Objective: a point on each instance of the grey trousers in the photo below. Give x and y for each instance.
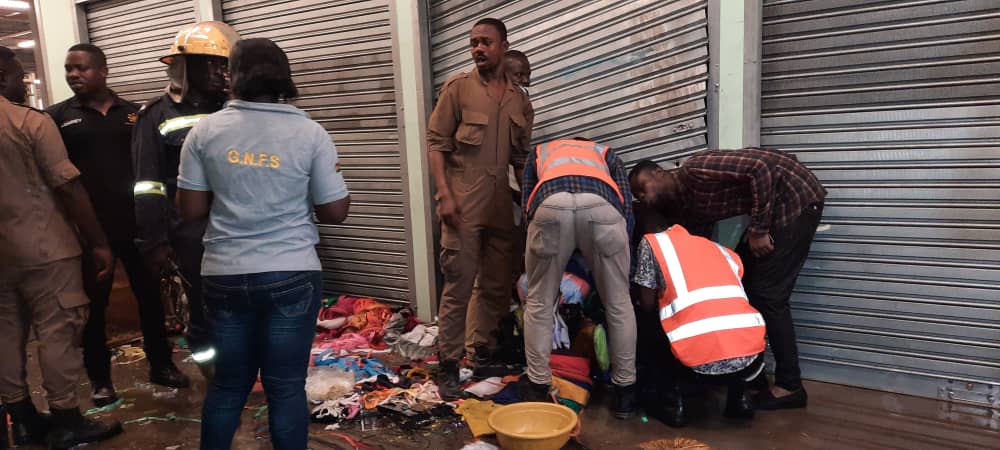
(562, 223)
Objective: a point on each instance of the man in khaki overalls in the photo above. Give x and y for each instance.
(41, 283)
(481, 123)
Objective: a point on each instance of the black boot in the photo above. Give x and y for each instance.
(528, 391)
(167, 374)
(738, 405)
(4, 436)
(625, 401)
(70, 428)
(671, 410)
(104, 394)
(27, 426)
(448, 385)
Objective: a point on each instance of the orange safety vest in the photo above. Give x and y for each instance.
(704, 309)
(567, 157)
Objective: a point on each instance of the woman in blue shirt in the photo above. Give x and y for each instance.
(259, 169)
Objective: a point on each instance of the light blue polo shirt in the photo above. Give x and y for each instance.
(266, 165)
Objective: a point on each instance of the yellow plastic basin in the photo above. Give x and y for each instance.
(532, 426)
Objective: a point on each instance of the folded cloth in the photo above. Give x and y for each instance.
(569, 391)
(418, 343)
(573, 368)
(475, 412)
(486, 387)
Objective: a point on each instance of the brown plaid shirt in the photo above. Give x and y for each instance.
(772, 186)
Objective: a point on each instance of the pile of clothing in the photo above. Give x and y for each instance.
(345, 389)
(356, 324)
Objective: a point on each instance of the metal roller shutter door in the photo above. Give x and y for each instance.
(895, 106)
(134, 34)
(628, 74)
(341, 56)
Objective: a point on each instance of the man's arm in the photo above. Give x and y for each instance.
(529, 179)
(735, 167)
(620, 175)
(521, 156)
(64, 179)
(441, 129)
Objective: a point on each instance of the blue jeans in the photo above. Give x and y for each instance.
(262, 322)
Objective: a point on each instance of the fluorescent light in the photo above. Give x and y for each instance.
(26, 44)
(14, 4)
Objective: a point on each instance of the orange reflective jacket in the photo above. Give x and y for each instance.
(704, 309)
(567, 157)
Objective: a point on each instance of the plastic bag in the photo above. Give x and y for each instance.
(328, 383)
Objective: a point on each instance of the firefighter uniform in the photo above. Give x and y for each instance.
(157, 139)
(479, 135)
(163, 125)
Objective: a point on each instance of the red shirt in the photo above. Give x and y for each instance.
(772, 186)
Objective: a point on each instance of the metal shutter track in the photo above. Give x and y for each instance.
(341, 56)
(134, 34)
(896, 107)
(628, 74)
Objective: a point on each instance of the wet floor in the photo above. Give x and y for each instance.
(838, 417)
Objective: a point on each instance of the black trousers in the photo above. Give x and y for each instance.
(185, 239)
(96, 356)
(769, 282)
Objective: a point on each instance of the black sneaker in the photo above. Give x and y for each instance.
(448, 385)
(168, 375)
(625, 401)
(27, 425)
(70, 428)
(104, 395)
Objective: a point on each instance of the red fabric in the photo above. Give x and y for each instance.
(574, 368)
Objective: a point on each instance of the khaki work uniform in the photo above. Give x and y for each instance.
(41, 282)
(480, 135)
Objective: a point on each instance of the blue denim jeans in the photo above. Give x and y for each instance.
(262, 322)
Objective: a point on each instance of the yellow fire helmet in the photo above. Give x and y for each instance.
(211, 38)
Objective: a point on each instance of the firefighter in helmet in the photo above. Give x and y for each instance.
(196, 66)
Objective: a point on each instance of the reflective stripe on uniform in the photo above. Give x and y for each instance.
(696, 296)
(676, 274)
(149, 187)
(180, 122)
(713, 324)
(732, 262)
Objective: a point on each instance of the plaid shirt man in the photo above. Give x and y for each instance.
(772, 186)
(580, 184)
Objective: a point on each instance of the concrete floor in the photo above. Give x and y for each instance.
(838, 417)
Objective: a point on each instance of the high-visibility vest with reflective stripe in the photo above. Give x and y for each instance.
(704, 309)
(565, 157)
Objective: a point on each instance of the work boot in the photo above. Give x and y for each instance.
(27, 425)
(167, 374)
(448, 385)
(104, 395)
(625, 401)
(671, 410)
(4, 435)
(738, 405)
(70, 428)
(529, 391)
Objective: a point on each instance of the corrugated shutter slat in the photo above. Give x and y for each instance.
(896, 107)
(341, 56)
(628, 74)
(134, 35)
